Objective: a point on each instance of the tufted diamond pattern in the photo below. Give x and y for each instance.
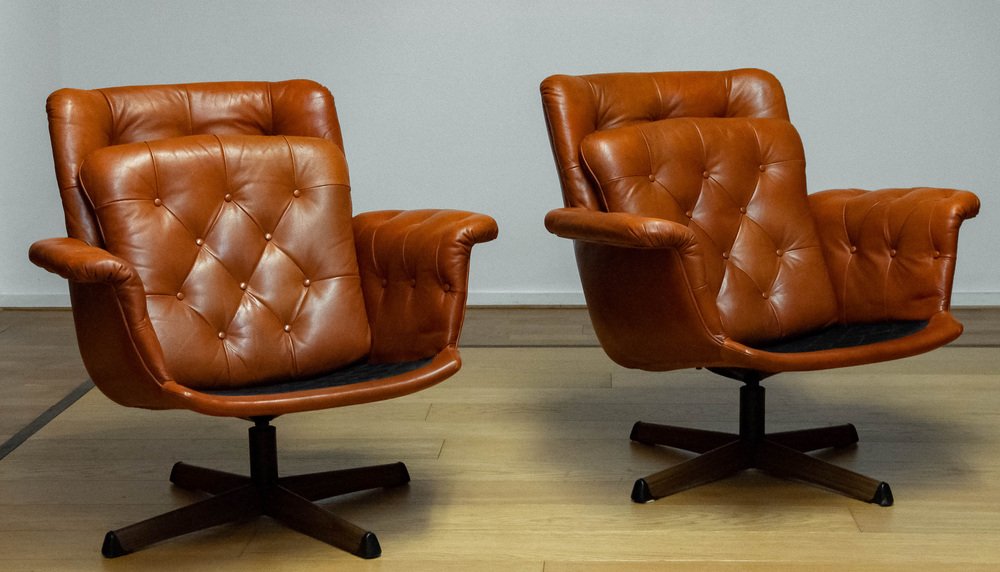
(739, 185)
(245, 247)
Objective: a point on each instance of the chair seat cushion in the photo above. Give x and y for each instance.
(847, 336)
(355, 373)
(245, 248)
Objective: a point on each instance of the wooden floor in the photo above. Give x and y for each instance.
(522, 462)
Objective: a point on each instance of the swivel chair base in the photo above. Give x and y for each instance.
(782, 454)
(286, 499)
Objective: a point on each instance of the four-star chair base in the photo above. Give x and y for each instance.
(286, 499)
(781, 454)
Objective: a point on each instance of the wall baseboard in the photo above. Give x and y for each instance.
(487, 298)
(479, 298)
(34, 300)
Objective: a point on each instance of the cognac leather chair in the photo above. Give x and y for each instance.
(214, 265)
(697, 246)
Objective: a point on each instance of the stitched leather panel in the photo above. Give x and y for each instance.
(739, 186)
(245, 247)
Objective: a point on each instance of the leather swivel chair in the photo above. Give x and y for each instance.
(697, 246)
(214, 265)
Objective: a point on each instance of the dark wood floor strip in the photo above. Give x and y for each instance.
(42, 420)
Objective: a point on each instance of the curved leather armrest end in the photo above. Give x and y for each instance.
(645, 283)
(618, 229)
(414, 269)
(116, 338)
(443, 365)
(78, 261)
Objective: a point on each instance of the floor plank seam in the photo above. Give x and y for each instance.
(42, 420)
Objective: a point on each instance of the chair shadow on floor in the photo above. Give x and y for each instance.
(907, 438)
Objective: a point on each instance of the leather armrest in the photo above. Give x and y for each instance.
(618, 229)
(414, 274)
(82, 263)
(891, 252)
(646, 288)
(116, 338)
(78, 261)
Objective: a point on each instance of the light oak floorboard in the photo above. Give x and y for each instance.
(522, 462)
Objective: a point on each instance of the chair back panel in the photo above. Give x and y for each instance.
(82, 121)
(246, 250)
(739, 185)
(576, 106)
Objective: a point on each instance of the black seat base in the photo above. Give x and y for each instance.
(781, 454)
(289, 500)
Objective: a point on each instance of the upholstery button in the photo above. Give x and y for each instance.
(652, 178)
(937, 254)
(288, 327)
(306, 282)
(892, 253)
(725, 255)
(743, 210)
(779, 252)
(763, 295)
(296, 193)
(199, 241)
(688, 214)
(704, 174)
(222, 335)
(229, 198)
(180, 295)
(267, 236)
(243, 285)
(413, 283)
(157, 202)
(854, 249)
(385, 282)
(447, 287)
(762, 168)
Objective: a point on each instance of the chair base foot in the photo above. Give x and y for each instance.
(640, 492)
(370, 547)
(883, 495)
(112, 548)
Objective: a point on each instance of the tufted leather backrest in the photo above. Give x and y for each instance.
(576, 106)
(739, 185)
(82, 121)
(246, 250)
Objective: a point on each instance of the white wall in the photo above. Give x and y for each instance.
(440, 108)
(29, 199)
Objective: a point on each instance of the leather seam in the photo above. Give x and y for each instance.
(190, 109)
(694, 300)
(122, 316)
